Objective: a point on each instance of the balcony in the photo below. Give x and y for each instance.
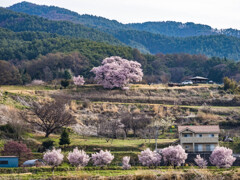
(199, 139)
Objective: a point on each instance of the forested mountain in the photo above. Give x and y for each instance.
(37, 55)
(56, 13)
(33, 47)
(151, 37)
(178, 29)
(214, 45)
(168, 28)
(22, 22)
(29, 45)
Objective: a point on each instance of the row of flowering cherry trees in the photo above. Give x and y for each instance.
(115, 72)
(172, 155)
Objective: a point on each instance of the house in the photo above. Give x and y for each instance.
(198, 79)
(8, 161)
(198, 138)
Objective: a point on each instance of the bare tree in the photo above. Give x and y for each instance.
(126, 121)
(146, 133)
(159, 123)
(49, 116)
(109, 124)
(139, 121)
(84, 130)
(17, 125)
(135, 121)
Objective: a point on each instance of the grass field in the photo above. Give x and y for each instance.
(188, 173)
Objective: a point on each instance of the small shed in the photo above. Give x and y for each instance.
(8, 161)
(199, 79)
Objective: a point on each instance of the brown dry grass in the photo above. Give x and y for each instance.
(208, 116)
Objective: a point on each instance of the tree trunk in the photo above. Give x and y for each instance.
(47, 134)
(134, 132)
(126, 132)
(156, 138)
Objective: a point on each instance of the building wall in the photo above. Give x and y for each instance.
(193, 139)
(8, 162)
(188, 147)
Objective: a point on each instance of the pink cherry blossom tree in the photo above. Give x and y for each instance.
(53, 157)
(149, 158)
(125, 162)
(102, 158)
(222, 157)
(78, 80)
(202, 163)
(78, 158)
(174, 155)
(117, 72)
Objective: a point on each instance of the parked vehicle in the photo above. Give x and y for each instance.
(187, 83)
(33, 162)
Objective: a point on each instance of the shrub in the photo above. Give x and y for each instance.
(53, 157)
(117, 72)
(174, 155)
(230, 85)
(202, 163)
(222, 157)
(13, 148)
(78, 158)
(149, 158)
(48, 144)
(125, 162)
(102, 158)
(65, 83)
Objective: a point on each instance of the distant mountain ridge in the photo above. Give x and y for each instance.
(168, 28)
(19, 22)
(149, 37)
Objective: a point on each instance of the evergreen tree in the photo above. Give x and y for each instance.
(67, 75)
(64, 138)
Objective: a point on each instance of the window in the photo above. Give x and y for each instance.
(211, 135)
(198, 147)
(186, 147)
(187, 135)
(3, 162)
(199, 135)
(212, 147)
(208, 147)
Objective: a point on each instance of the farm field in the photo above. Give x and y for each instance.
(188, 173)
(85, 104)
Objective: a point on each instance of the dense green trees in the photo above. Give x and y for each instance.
(29, 45)
(150, 37)
(159, 68)
(37, 55)
(9, 74)
(181, 66)
(19, 22)
(214, 45)
(231, 85)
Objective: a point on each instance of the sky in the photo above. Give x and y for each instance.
(219, 14)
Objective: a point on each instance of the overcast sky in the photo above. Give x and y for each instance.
(216, 13)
